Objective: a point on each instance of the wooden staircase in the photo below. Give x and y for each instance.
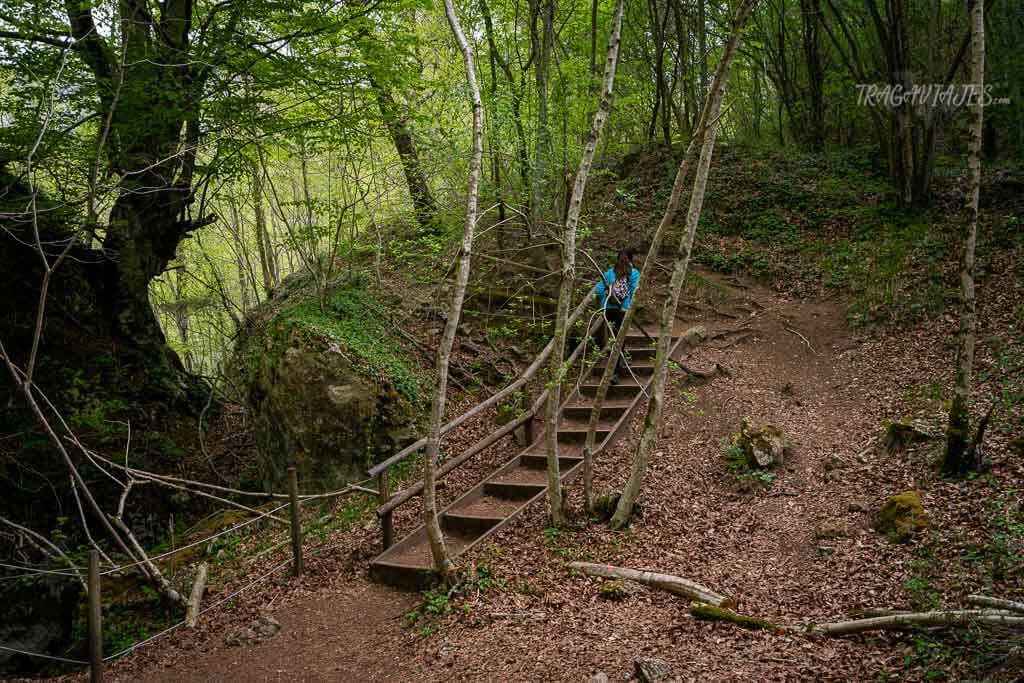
(510, 489)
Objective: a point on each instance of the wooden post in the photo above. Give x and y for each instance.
(95, 619)
(528, 431)
(173, 558)
(386, 523)
(293, 493)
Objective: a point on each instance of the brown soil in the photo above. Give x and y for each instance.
(799, 368)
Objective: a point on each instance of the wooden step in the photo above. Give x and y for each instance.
(539, 461)
(512, 490)
(609, 410)
(577, 433)
(470, 524)
(485, 505)
(627, 388)
(409, 564)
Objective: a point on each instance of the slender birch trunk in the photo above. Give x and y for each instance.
(678, 186)
(959, 459)
(568, 269)
(442, 563)
(648, 438)
(264, 247)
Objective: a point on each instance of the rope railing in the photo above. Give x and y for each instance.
(156, 636)
(387, 506)
(526, 375)
(96, 659)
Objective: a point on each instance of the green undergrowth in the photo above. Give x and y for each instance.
(815, 224)
(354, 319)
(747, 478)
(460, 597)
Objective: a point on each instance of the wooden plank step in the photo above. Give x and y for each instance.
(470, 524)
(582, 412)
(539, 461)
(627, 388)
(512, 490)
(409, 564)
(486, 506)
(565, 450)
(520, 475)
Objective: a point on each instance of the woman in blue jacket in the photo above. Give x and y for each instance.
(615, 295)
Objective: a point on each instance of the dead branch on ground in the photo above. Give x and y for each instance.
(665, 582)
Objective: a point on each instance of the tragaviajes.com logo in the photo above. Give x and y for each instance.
(892, 96)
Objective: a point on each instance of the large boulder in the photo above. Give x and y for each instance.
(329, 383)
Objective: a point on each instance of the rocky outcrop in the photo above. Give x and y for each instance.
(329, 384)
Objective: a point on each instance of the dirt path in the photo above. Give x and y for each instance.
(801, 550)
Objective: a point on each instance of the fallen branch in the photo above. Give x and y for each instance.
(709, 613)
(665, 582)
(196, 596)
(996, 603)
(964, 617)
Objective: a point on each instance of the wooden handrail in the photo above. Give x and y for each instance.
(417, 488)
(519, 383)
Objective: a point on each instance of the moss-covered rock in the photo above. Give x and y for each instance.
(614, 590)
(902, 517)
(763, 447)
(330, 384)
(903, 434)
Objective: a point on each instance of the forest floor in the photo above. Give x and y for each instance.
(795, 548)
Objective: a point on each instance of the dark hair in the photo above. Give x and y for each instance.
(624, 263)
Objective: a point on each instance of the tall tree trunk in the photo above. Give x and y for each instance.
(568, 270)
(415, 177)
(264, 247)
(958, 459)
(152, 149)
(648, 438)
(516, 89)
(442, 563)
(702, 47)
(811, 15)
(544, 11)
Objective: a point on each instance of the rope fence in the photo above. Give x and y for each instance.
(96, 659)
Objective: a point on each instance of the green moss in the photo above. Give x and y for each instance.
(902, 517)
(358, 323)
(614, 590)
(709, 613)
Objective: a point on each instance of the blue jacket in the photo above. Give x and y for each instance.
(603, 292)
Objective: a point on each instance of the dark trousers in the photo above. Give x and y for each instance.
(612, 317)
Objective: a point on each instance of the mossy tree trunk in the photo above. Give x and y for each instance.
(959, 458)
(649, 436)
(442, 563)
(568, 269)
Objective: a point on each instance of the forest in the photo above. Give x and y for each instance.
(512, 340)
